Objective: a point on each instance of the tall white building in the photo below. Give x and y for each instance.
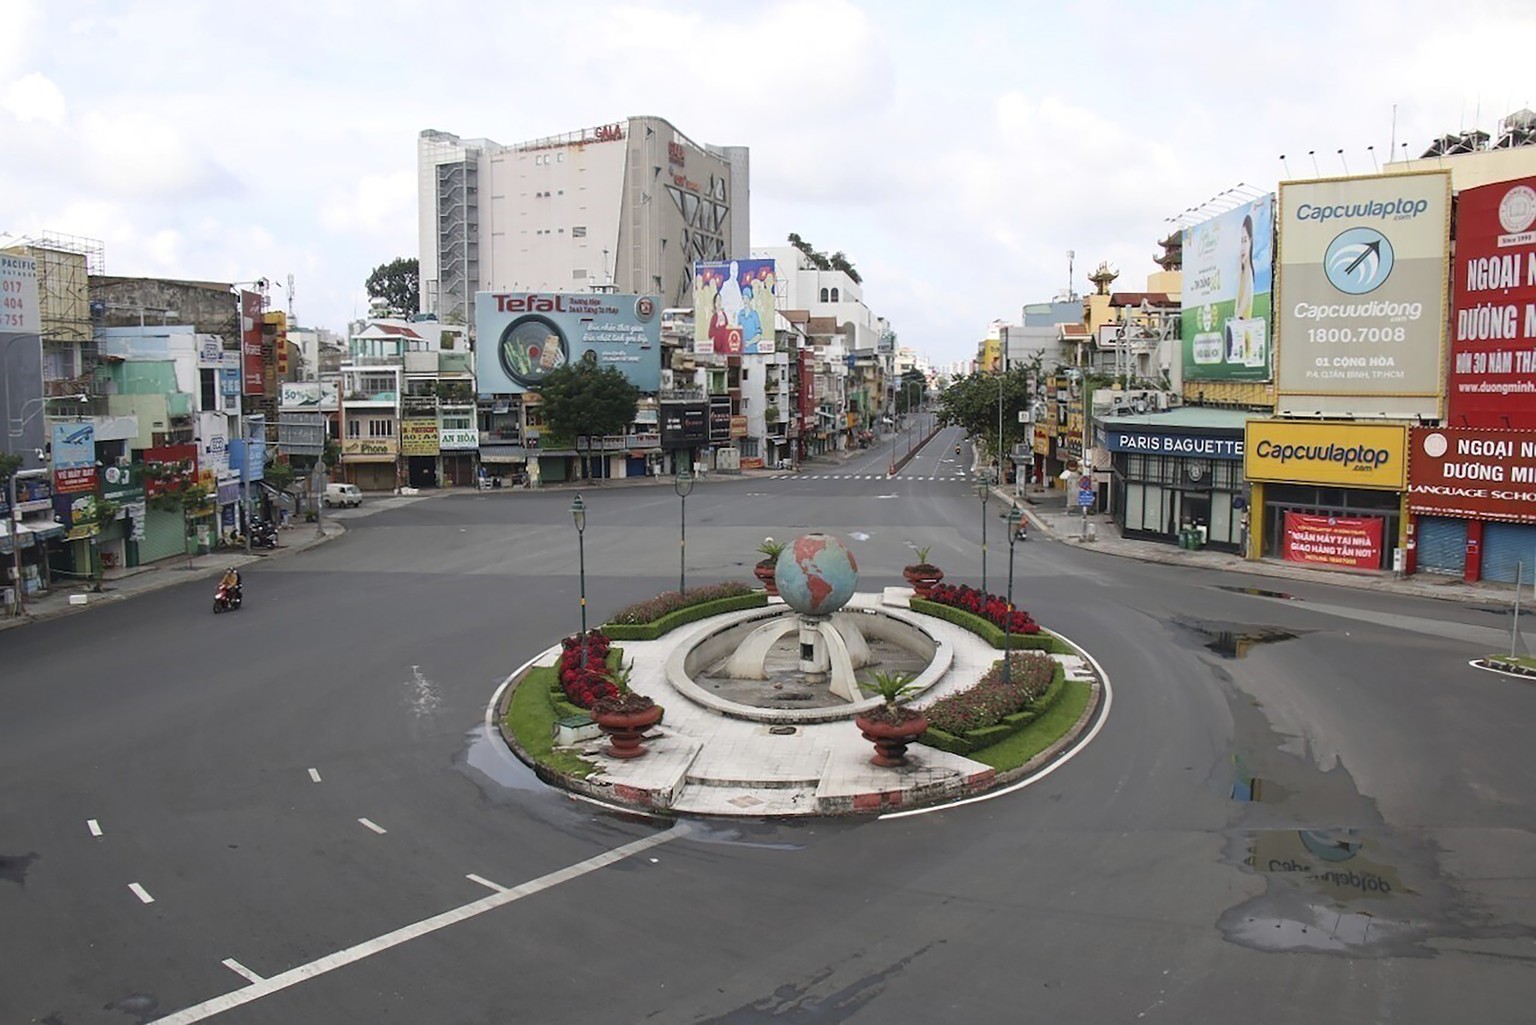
(824, 293)
(629, 205)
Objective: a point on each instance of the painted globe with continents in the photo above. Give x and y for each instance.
(816, 574)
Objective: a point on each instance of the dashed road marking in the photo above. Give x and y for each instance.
(485, 882)
(373, 826)
(141, 893)
(314, 775)
(93, 826)
(342, 958)
(241, 970)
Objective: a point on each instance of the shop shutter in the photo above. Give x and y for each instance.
(164, 535)
(1505, 547)
(1442, 545)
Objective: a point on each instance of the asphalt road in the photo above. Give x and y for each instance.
(305, 793)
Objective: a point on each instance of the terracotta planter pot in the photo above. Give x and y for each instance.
(764, 573)
(624, 730)
(891, 740)
(923, 578)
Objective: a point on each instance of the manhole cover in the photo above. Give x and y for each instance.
(783, 731)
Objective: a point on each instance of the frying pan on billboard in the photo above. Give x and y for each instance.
(525, 335)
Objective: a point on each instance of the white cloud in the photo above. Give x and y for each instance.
(33, 98)
(382, 206)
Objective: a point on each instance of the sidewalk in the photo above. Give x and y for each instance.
(1050, 516)
(70, 596)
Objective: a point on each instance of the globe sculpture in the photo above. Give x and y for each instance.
(816, 575)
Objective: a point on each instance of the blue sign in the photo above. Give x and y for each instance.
(74, 445)
(1200, 445)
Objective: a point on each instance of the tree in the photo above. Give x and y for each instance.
(98, 514)
(398, 283)
(971, 402)
(579, 398)
(909, 393)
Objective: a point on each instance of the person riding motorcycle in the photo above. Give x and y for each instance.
(230, 584)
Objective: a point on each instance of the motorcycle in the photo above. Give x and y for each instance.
(226, 599)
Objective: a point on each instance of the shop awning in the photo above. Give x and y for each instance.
(503, 454)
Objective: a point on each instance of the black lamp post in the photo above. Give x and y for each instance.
(1013, 533)
(983, 492)
(682, 485)
(579, 514)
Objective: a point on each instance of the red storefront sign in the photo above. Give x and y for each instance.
(250, 344)
(1493, 327)
(158, 463)
(72, 480)
(1472, 474)
(1353, 541)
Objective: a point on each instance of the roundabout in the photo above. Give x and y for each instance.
(760, 705)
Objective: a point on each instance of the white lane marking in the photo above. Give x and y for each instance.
(241, 970)
(141, 893)
(314, 775)
(1082, 742)
(373, 826)
(93, 826)
(464, 912)
(485, 882)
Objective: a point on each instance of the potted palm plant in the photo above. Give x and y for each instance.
(770, 550)
(893, 725)
(625, 716)
(922, 574)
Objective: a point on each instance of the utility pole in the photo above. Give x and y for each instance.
(11, 529)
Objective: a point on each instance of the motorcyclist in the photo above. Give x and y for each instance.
(229, 583)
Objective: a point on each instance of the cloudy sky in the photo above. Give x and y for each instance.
(955, 151)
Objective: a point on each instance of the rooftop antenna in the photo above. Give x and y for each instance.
(1372, 151)
(1285, 165)
(1071, 283)
(1313, 154)
(1343, 161)
(291, 320)
(1392, 147)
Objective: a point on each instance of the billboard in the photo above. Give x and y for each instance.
(1472, 473)
(307, 395)
(1228, 278)
(525, 335)
(418, 437)
(1348, 454)
(250, 343)
(734, 304)
(18, 295)
(1362, 280)
(1493, 329)
(74, 458)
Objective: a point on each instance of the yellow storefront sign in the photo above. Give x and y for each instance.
(1350, 455)
(418, 437)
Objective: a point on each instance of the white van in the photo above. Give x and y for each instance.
(343, 494)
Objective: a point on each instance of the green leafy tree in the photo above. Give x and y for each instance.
(398, 283)
(98, 515)
(971, 402)
(581, 398)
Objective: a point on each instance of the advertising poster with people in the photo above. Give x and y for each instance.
(525, 335)
(1228, 277)
(733, 307)
(1493, 331)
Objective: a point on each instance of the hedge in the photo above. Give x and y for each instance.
(990, 632)
(974, 740)
(673, 620)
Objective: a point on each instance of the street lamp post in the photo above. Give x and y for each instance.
(983, 492)
(579, 514)
(682, 485)
(15, 536)
(1013, 534)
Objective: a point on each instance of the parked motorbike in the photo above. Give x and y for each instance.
(226, 599)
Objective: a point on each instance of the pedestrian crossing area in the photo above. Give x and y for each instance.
(871, 476)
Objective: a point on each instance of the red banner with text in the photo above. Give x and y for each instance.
(1349, 541)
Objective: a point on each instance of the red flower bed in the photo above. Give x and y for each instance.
(985, 704)
(585, 686)
(990, 607)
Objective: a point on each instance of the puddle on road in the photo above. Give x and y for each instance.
(14, 869)
(489, 754)
(1234, 640)
(1257, 592)
(1328, 890)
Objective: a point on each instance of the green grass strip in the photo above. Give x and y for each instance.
(531, 719)
(1523, 661)
(1040, 734)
